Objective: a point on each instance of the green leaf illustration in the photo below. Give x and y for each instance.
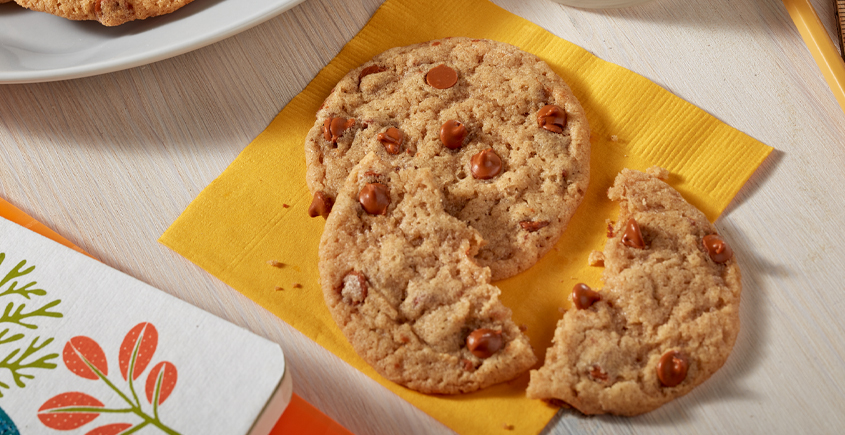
(14, 337)
(24, 291)
(16, 365)
(17, 359)
(18, 272)
(19, 315)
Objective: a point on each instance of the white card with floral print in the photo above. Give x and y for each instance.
(86, 349)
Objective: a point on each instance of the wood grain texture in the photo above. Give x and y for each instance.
(110, 161)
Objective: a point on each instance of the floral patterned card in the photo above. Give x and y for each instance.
(85, 349)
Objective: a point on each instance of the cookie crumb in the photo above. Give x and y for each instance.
(658, 172)
(523, 327)
(275, 263)
(296, 285)
(278, 289)
(614, 138)
(507, 426)
(285, 206)
(596, 259)
(561, 310)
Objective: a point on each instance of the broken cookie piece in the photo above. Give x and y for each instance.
(668, 314)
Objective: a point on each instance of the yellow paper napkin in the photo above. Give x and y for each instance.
(255, 211)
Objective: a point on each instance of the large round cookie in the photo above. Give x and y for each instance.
(521, 199)
(107, 12)
(667, 317)
(399, 278)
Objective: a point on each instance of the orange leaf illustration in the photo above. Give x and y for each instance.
(168, 381)
(71, 419)
(109, 429)
(146, 334)
(83, 347)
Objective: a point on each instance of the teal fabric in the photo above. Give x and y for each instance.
(6, 425)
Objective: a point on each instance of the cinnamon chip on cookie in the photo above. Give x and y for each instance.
(400, 279)
(664, 322)
(501, 133)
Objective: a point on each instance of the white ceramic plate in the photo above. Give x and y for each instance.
(38, 47)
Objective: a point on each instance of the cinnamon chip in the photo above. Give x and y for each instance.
(632, 236)
(532, 226)
(372, 69)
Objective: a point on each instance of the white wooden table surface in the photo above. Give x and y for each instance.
(110, 161)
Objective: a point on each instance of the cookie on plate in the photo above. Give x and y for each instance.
(399, 278)
(107, 12)
(664, 322)
(502, 133)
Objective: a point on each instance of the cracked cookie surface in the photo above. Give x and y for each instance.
(481, 115)
(399, 279)
(107, 12)
(666, 319)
